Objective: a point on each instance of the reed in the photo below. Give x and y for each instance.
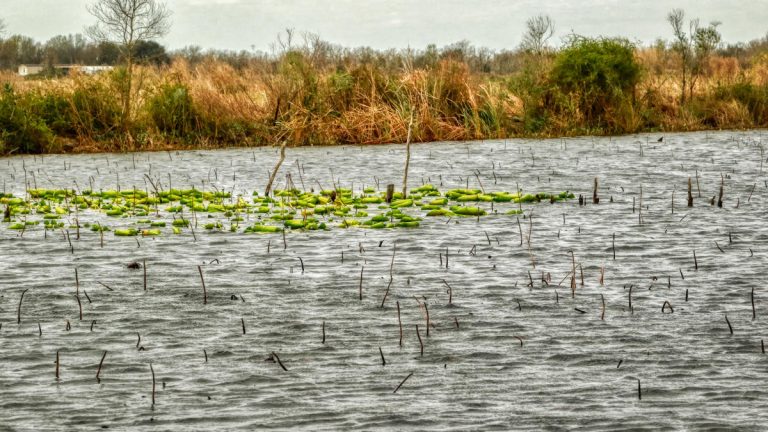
(294, 98)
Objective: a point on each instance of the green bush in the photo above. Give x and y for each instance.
(753, 97)
(21, 131)
(172, 111)
(601, 72)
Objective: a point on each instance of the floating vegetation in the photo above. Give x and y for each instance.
(129, 211)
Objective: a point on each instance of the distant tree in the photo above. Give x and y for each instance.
(151, 52)
(2, 27)
(538, 31)
(65, 49)
(17, 50)
(107, 53)
(694, 48)
(127, 23)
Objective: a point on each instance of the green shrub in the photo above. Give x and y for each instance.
(601, 72)
(95, 111)
(21, 131)
(753, 97)
(172, 111)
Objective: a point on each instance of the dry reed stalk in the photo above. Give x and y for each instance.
(144, 267)
(18, 309)
(573, 275)
(391, 273)
(151, 369)
(360, 287)
(274, 171)
(402, 382)
(602, 312)
(407, 157)
(98, 372)
(400, 324)
(205, 292)
(450, 293)
(421, 343)
(274, 354)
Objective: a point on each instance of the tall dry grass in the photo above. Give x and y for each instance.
(305, 101)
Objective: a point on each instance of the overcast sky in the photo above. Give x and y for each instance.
(497, 24)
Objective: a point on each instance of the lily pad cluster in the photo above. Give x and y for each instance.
(136, 212)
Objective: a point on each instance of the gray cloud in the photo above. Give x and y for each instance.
(240, 24)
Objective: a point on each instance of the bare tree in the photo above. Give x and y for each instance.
(694, 48)
(538, 30)
(2, 27)
(681, 45)
(127, 23)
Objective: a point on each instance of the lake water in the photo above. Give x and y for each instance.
(511, 351)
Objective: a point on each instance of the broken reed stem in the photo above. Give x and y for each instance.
(639, 390)
(18, 310)
(151, 369)
(77, 294)
(595, 199)
(720, 196)
(400, 323)
(79, 306)
(690, 194)
(573, 275)
(426, 310)
(450, 293)
(302, 264)
(672, 206)
(57, 365)
(383, 361)
(613, 246)
(277, 167)
(752, 298)
(730, 328)
(602, 313)
(664, 306)
(360, 288)
(407, 156)
(695, 261)
(698, 187)
(278, 361)
(602, 275)
(402, 382)
(205, 292)
(205, 353)
(323, 342)
(391, 274)
(98, 372)
(144, 266)
(632, 311)
(421, 343)
(242, 321)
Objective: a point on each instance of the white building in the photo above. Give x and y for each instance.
(26, 70)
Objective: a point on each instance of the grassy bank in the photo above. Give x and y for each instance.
(306, 98)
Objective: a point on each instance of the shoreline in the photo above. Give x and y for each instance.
(228, 146)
